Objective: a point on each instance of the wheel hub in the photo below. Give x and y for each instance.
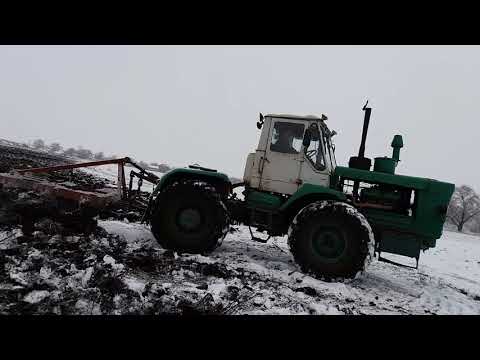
(189, 219)
(328, 244)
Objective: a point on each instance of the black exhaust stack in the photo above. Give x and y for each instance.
(366, 121)
(360, 161)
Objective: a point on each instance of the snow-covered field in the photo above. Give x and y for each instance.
(5, 142)
(447, 281)
(123, 270)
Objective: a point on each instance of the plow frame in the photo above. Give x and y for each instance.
(124, 193)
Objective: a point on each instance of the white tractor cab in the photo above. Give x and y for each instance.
(292, 150)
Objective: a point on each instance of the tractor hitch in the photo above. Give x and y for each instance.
(398, 264)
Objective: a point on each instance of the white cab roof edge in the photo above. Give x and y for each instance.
(288, 116)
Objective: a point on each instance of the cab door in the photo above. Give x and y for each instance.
(280, 167)
(315, 165)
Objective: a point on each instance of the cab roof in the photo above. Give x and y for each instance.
(323, 125)
(299, 117)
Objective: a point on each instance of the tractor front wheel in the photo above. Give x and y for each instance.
(331, 240)
(189, 217)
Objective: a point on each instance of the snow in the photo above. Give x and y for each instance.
(86, 276)
(108, 260)
(18, 277)
(130, 231)
(36, 296)
(4, 142)
(241, 276)
(447, 281)
(135, 284)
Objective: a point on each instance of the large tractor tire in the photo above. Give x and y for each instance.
(331, 240)
(190, 218)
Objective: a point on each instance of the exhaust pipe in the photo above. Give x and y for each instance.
(366, 121)
(360, 161)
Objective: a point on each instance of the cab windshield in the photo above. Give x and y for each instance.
(315, 152)
(331, 152)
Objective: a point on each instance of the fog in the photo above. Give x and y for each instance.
(199, 104)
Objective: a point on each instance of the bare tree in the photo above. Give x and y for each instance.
(84, 153)
(99, 156)
(70, 152)
(143, 164)
(464, 206)
(475, 225)
(163, 168)
(54, 148)
(39, 144)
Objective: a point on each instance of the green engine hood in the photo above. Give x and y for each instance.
(384, 178)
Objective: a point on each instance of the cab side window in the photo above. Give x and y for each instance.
(287, 137)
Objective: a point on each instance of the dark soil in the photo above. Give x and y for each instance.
(19, 158)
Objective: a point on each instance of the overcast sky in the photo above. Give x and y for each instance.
(199, 104)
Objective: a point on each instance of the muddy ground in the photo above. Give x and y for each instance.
(53, 265)
(51, 274)
(21, 158)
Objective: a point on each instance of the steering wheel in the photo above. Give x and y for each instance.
(311, 153)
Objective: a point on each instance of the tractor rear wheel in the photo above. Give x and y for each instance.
(189, 217)
(331, 240)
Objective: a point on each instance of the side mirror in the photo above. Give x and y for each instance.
(260, 123)
(307, 138)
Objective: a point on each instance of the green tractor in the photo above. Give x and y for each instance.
(337, 218)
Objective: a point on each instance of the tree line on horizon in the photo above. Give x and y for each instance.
(56, 148)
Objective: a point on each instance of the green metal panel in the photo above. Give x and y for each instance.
(432, 207)
(401, 244)
(383, 178)
(263, 200)
(184, 172)
(309, 189)
(386, 219)
(398, 234)
(406, 234)
(384, 165)
(378, 194)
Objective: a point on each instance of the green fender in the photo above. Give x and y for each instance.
(311, 192)
(185, 173)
